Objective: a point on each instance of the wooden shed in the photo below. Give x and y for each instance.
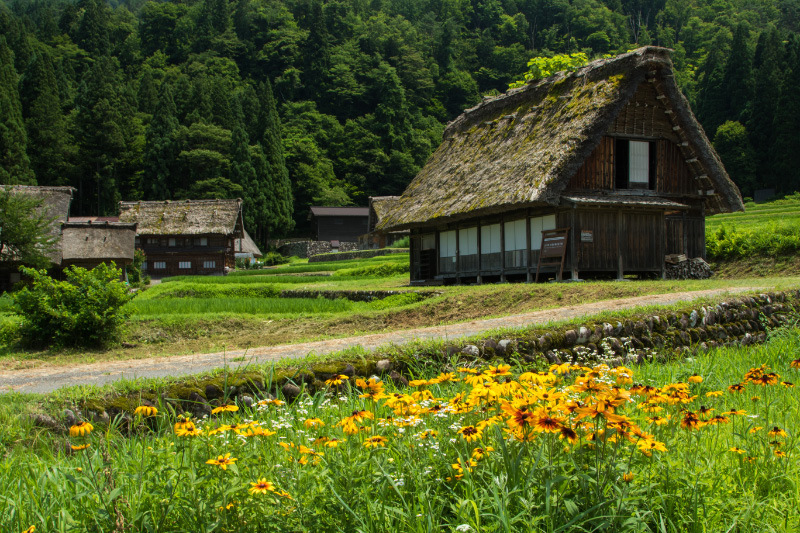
(610, 154)
(186, 237)
(343, 224)
(87, 244)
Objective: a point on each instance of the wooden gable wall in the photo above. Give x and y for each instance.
(644, 117)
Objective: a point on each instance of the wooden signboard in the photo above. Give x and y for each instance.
(554, 248)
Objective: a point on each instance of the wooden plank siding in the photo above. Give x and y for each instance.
(597, 172)
(673, 175)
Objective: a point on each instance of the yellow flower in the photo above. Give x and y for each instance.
(187, 430)
(627, 477)
(737, 450)
(374, 442)
(277, 403)
(787, 384)
(312, 422)
(497, 371)
(80, 447)
(480, 453)
(256, 431)
(795, 363)
(225, 408)
(470, 433)
(694, 378)
(756, 429)
(222, 461)
(336, 380)
(145, 410)
(776, 432)
(714, 393)
(779, 453)
(428, 434)
(80, 429)
(262, 486)
(30, 529)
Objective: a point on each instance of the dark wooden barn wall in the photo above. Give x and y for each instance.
(341, 228)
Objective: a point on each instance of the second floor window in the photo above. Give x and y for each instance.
(635, 164)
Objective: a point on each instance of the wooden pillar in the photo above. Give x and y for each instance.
(703, 231)
(573, 256)
(502, 250)
(685, 234)
(436, 254)
(458, 255)
(528, 246)
(663, 243)
(620, 273)
(480, 255)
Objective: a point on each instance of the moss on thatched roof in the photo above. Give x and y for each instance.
(521, 148)
(93, 241)
(54, 202)
(184, 217)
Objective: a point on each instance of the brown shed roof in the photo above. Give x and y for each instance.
(321, 211)
(184, 217)
(99, 241)
(521, 148)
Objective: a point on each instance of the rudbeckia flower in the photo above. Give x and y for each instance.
(80, 429)
(222, 461)
(145, 410)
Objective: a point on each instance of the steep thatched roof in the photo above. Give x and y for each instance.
(521, 148)
(184, 217)
(98, 242)
(54, 203)
(246, 245)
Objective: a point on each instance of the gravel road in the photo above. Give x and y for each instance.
(49, 378)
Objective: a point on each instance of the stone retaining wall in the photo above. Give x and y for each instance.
(660, 336)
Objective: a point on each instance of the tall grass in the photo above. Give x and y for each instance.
(771, 229)
(486, 448)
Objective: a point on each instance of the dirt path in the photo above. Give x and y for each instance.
(47, 379)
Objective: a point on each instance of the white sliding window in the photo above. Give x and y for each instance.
(490, 239)
(538, 225)
(639, 163)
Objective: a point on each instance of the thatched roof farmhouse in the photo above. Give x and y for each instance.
(185, 237)
(610, 153)
(87, 244)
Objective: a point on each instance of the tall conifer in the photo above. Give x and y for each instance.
(278, 190)
(14, 163)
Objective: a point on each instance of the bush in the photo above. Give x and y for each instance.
(405, 242)
(274, 258)
(135, 268)
(87, 309)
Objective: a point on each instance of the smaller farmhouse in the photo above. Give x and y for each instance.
(54, 203)
(600, 172)
(341, 224)
(378, 207)
(87, 244)
(186, 237)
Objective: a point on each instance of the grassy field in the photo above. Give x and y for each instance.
(761, 231)
(202, 314)
(703, 444)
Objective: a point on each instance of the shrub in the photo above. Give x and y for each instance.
(274, 258)
(86, 309)
(405, 242)
(135, 268)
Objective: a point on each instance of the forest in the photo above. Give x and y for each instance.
(293, 103)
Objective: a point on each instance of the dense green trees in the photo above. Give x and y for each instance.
(289, 103)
